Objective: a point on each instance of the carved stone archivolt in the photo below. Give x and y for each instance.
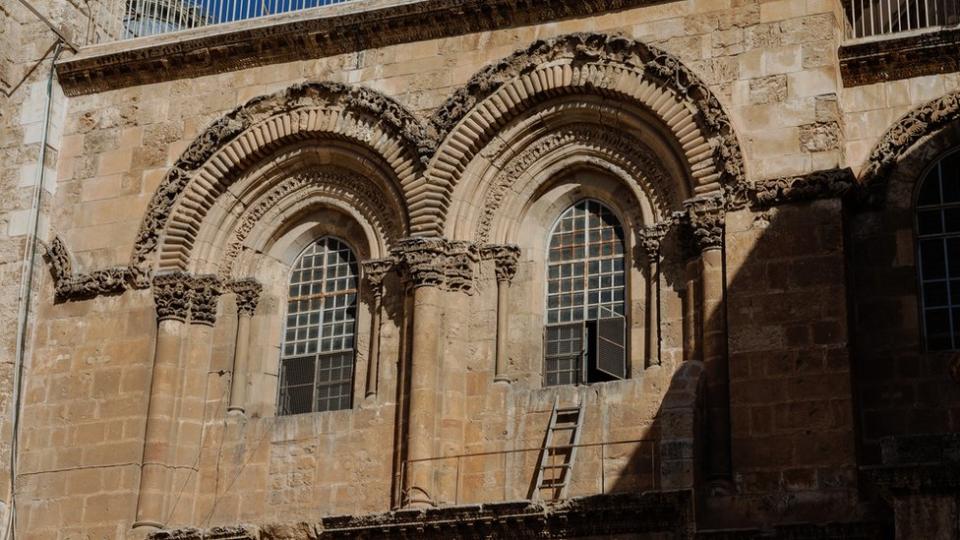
(706, 218)
(181, 296)
(365, 116)
(437, 262)
(505, 258)
(359, 192)
(638, 161)
(585, 63)
(904, 134)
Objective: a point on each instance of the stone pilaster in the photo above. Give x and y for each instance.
(247, 293)
(505, 258)
(375, 271)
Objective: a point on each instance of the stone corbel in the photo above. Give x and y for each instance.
(72, 286)
(247, 293)
(505, 258)
(375, 271)
(651, 239)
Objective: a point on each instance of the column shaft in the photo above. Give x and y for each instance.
(373, 366)
(714, 348)
(421, 429)
(160, 428)
(241, 365)
(501, 353)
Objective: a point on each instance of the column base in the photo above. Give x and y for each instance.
(147, 524)
(501, 378)
(418, 499)
(236, 411)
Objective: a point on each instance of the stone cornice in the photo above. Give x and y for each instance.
(900, 58)
(310, 34)
(597, 516)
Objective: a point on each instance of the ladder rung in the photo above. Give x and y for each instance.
(560, 466)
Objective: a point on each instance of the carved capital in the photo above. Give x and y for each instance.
(172, 294)
(422, 261)
(505, 257)
(205, 296)
(248, 293)
(437, 262)
(651, 239)
(462, 258)
(375, 271)
(706, 221)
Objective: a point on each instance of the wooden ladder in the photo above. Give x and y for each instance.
(557, 455)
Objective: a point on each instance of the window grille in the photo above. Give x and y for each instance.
(938, 260)
(585, 284)
(317, 356)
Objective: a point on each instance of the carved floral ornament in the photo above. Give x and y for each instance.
(417, 140)
(505, 258)
(248, 293)
(913, 126)
(181, 296)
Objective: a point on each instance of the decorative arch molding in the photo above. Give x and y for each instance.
(899, 140)
(595, 64)
(595, 147)
(296, 193)
(206, 169)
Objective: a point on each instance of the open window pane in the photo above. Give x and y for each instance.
(585, 284)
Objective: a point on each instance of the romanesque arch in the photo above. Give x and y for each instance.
(380, 136)
(580, 80)
(928, 129)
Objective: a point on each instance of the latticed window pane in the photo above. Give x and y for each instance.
(585, 282)
(316, 363)
(938, 260)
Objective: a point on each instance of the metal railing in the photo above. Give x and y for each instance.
(114, 20)
(880, 18)
(507, 475)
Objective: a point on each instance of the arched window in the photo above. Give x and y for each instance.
(585, 336)
(317, 356)
(938, 241)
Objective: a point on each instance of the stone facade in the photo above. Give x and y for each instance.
(764, 178)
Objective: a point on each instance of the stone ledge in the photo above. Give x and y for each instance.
(601, 515)
(900, 58)
(309, 34)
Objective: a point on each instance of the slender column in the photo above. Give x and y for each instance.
(707, 221)
(248, 296)
(651, 238)
(172, 295)
(375, 271)
(505, 259)
(422, 260)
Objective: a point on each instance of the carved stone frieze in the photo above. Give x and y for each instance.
(706, 218)
(437, 262)
(302, 36)
(360, 192)
(71, 286)
(665, 69)
(248, 291)
(817, 185)
(910, 128)
(505, 258)
(621, 148)
(897, 58)
(375, 271)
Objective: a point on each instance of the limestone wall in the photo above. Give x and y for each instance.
(773, 67)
